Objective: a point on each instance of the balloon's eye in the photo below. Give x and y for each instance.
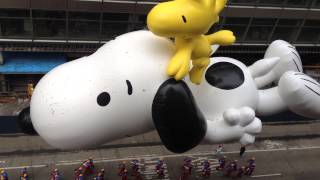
(224, 75)
(129, 87)
(103, 99)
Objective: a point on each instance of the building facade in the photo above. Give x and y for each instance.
(79, 27)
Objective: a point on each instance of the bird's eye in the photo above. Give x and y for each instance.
(184, 19)
(103, 99)
(224, 75)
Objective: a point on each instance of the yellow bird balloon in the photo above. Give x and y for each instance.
(187, 21)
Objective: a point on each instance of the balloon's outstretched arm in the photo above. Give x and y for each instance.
(223, 37)
(301, 93)
(270, 102)
(236, 124)
(295, 91)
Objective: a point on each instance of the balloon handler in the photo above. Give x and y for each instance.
(24, 174)
(187, 21)
(100, 175)
(121, 168)
(78, 173)
(3, 175)
(206, 170)
(250, 167)
(135, 167)
(222, 163)
(160, 168)
(55, 175)
(186, 169)
(88, 166)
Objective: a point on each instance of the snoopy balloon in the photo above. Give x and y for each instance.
(122, 90)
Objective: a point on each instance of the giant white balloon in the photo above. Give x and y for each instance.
(110, 94)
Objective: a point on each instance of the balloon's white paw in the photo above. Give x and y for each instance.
(243, 116)
(254, 127)
(247, 115)
(250, 124)
(232, 116)
(237, 124)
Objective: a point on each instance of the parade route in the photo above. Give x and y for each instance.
(277, 156)
(278, 163)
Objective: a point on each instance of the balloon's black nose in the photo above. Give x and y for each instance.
(179, 122)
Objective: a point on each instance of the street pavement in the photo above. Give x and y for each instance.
(290, 152)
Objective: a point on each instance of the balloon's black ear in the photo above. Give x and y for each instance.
(179, 122)
(25, 123)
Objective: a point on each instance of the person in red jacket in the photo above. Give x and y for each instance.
(121, 168)
(88, 166)
(124, 175)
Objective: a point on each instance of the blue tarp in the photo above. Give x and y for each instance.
(30, 62)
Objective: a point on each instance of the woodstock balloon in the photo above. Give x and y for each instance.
(122, 90)
(187, 21)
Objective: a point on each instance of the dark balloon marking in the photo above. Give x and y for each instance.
(103, 99)
(129, 87)
(299, 74)
(313, 90)
(292, 47)
(317, 84)
(296, 55)
(224, 75)
(295, 63)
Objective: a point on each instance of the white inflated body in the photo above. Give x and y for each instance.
(64, 109)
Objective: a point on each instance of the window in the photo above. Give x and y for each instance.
(84, 30)
(48, 14)
(286, 29)
(243, 2)
(112, 29)
(14, 13)
(49, 24)
(115, 16)
(258, 33)
(114, 24)
(15, 23)
(284, 33)
(298, 3)
(316, 4)
(260, 30)
(271, 2)
(310, 32)
(15, 27)
(237, 25)
(84, 25)
(309, 35)
(46, 28)
(237, 21)
(289, 22)
(263, 22)
(84, 16)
